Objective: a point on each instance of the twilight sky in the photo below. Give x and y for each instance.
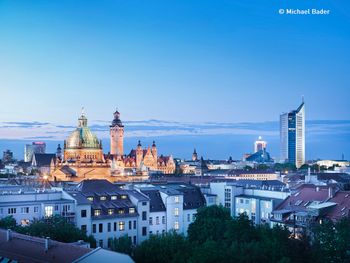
(178, 61)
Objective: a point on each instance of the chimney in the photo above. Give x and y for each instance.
(317, 188)
(308, 176)
(8, 235)
(331, 191)
(47, 243)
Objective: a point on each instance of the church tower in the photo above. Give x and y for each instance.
(194, 155)
(117, 135)
(139, 155)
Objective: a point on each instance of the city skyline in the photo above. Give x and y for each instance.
(176, 71)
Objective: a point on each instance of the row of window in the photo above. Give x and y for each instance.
(116, 226)
(26, 209)
(104, 198)
(110, 211)
(157, 220)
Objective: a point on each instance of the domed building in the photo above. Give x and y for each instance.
(82, 156)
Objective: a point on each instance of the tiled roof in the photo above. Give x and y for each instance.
(24, 248)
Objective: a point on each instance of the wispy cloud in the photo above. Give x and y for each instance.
(155, 128)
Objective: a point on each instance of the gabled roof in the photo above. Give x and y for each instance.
(156, 202)
(43, 159)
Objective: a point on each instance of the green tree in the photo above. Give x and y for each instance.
(170, 247)
(122, 244)
(8, 222)
(57, 228)
(210, 224)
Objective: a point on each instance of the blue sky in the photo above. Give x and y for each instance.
(178, 61)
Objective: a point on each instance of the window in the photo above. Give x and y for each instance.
(134, 240)
(144, 203)
(188, 217)
(144, 231)
(25, 222)
(247, 201)
(94, 228)
(109, 227)
(115, 226)
(12, 211)
(241, 201)
(24, 210)
(110, 211)
(36, 209)
(66, 208)
(131, 210)
(123, 197)
(176, 225)
(113, 197)
(48, 211)
(100, 227)
(134, 224)
(130, 225)
(103, 198)
(163, 219)
(121, 225)
(151, 221)
(150, 232)
(176, 211)
(100, 242)
(84, 228)
(121, 211)
(83, 213)
(90, 198)
(1, 210)
(56, 207)
(177, 199)
(144, 216)
(157, 220)
(97, 212)
(193, 217)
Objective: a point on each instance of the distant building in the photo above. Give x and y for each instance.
(292, 136)
(27, 203)
(256, 199)
(7, 157)
(310, 204)
(31, 149)
(259, 145)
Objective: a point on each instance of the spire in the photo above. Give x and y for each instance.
(139, 144)
(154, 144)
(83, 111)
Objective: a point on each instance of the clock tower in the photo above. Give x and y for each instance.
(117, 135)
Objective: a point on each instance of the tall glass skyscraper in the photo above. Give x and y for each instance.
(292, 136)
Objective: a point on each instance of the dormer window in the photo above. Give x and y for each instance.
(97, 212)
(90, 198)
(121, 211)
(110, 211)
(103, 198)
(113, 197)
(131, 210)
(123, 196)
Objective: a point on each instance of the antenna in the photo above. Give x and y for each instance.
(302, 98)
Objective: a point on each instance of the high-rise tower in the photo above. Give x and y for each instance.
(117, 135)
(292, 136)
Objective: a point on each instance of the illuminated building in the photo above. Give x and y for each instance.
(292, 136)
(259, 145)
(31, 149)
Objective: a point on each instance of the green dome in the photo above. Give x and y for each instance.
(82, 137)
